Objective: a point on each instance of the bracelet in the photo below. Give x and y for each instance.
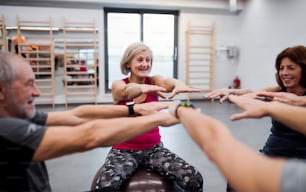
(182, 104)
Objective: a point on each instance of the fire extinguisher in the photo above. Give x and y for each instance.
(237, 82)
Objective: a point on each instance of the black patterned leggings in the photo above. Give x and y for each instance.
(121, 164)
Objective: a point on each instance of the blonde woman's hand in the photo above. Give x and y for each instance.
(153, 89)
(222, 94)
(182, 89)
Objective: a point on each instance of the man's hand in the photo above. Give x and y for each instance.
(149, 108)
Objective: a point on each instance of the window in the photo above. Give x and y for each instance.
(157, 29)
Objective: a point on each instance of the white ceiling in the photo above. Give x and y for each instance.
(186, 5)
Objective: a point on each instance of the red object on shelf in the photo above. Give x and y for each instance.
(83, 67)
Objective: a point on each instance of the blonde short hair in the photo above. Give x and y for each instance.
(132, 50)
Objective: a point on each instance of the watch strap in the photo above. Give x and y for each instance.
(182, 104)
(130, 105)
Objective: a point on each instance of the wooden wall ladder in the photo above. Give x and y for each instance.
(200, 57)
(80, 62)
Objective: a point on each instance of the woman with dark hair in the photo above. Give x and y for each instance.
(290, 68)
(296, 55)
(291, 77)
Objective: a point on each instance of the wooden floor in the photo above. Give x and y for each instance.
(74, 173)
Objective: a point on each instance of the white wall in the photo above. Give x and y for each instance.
(226, 30)
(261, 31)
(267, 27)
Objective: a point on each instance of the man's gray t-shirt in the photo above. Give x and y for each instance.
(293, 177)
(19, 138)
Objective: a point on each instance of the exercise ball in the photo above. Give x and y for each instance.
(143, 180)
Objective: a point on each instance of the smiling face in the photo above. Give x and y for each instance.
(290, 73)
(140, 65)
(18, 98)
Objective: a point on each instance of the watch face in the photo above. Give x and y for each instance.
(130, 103)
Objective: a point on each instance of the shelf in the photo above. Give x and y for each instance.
(80, 64)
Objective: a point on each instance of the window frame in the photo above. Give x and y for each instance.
(107, 10)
